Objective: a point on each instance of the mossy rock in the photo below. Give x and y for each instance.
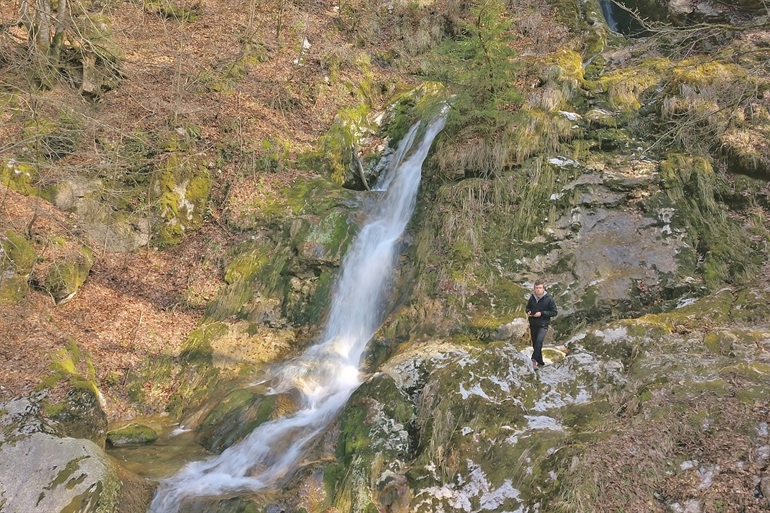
(18, 252)
(344, 137)
(13, 289)
(374, 446)
(197, 347)
(42, 472)
(601, 118)
(99, 62)
(306, 303)
(324, 241)
(180, 192)
(132, 434)
(65, 278)
(258, 281)
(96, 28)
(80, 414)
(747, 151)
(19, 176)
(17, 256)
(233, 417)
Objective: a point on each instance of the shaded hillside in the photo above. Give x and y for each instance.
(231, 88)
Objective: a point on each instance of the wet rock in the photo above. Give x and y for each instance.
(131, 434)
(79, 414)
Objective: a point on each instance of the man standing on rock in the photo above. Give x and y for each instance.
(540, 308)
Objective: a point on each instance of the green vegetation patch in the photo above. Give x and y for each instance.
(172, 11)
(20, 176)
(180, 193)
(65, 278)
(726, 255)
(17, 256)
(131, 434)
(234, 417)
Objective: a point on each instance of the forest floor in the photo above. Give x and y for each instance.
(134, 306)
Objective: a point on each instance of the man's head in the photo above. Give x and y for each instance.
(539, 288)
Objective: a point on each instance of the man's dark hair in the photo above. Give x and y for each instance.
(539, 282)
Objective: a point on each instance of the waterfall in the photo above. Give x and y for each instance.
(326, 374)
(608, 10)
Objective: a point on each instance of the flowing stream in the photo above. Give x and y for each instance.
(327, 373)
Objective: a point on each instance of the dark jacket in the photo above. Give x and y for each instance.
(545, 305)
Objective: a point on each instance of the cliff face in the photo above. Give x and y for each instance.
(191, 222)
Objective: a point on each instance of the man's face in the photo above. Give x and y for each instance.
(539, 289)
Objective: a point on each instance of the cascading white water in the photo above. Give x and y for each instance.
(326, 374)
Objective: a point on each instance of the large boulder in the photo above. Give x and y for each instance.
(43, 471)
(65, 278)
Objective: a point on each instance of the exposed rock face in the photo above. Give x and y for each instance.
(42, 471)
(45, 473)
(113, 231)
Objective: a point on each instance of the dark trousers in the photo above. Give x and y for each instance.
(538, 336)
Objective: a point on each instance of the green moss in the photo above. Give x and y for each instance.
(247, 263)
(65, 278)
(180, 191)
(333, 475)
(96, 28)
(252, 275)
(19, 176)
(16, 250)
(233, 417)
(197, 348)
(342, 137)
(585, 417)
(304, 196)
(169, 10)
(703, 71)
(132, 434)
(726, 255)
(326, 240)
(372, 436)
(718, 342)
(758, 395)
(410, 106)
(750, 307)
(13, 289)
(624, 87)
(751, 371)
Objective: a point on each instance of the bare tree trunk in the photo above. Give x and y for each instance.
(42, 32)
(58, 38)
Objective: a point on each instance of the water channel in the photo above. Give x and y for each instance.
(323, 377)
